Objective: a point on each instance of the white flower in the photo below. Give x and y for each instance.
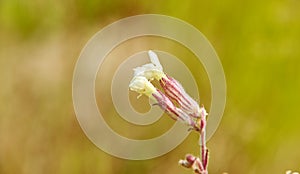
(141, 85)
(176, 103)
(172, 88)
(152, 70)
(188, 111)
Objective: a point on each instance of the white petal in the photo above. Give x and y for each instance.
(142, 86)
(154, 59)
(139, 71)
(151, 70)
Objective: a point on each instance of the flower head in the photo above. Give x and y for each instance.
(173, 93)
(188, 111)
(172, 88)
(152, 70)
(142, 86)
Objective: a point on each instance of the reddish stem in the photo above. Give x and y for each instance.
(204, 150)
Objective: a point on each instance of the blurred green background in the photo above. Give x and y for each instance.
(258, 43)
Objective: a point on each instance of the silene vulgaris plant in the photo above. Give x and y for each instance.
(171, 96)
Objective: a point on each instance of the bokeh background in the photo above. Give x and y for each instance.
(257, 41)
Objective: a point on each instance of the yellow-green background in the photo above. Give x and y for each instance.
(257, 41)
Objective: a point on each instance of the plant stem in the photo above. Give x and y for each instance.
(202, 143)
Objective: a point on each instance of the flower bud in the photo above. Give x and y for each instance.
(193, 162)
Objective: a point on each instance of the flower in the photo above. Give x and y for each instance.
(141, 85)
(173, 93)
(152, 70)
(173, 90)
